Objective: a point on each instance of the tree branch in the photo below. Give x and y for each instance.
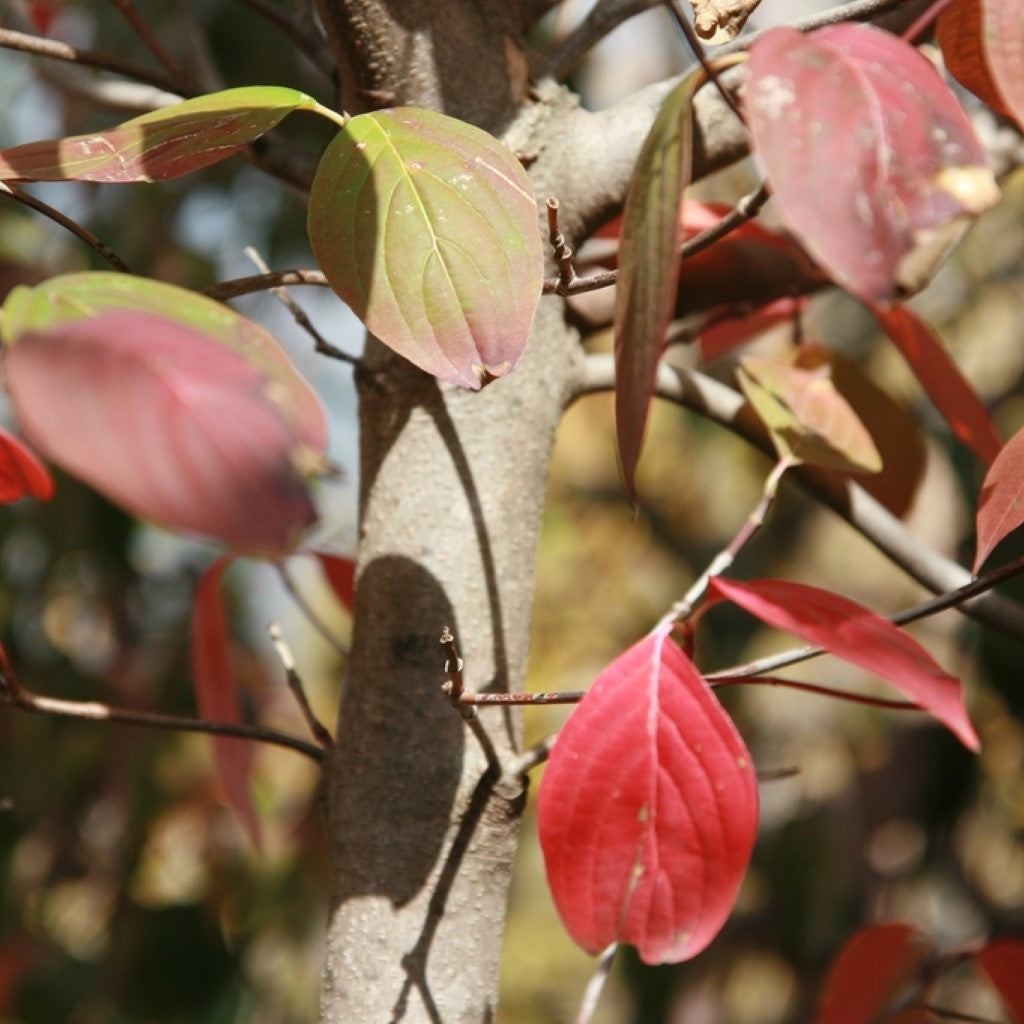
(723, 405)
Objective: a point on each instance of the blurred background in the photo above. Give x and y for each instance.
(130, 893)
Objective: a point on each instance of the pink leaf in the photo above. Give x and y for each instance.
(341, 575)
(216, 693)
(958, 33)
(1003, 962)
(942, 380)
(869, 973)
(170, 404)
(21, 473)
(855, 634)
(1001, 505)
(873, 164)
(648, 808)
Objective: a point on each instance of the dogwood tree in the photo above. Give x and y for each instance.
(447, 184)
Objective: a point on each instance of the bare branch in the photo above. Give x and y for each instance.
(131, 14)
(316, 727)
(302, 30)
(225, 290)
(39, 47)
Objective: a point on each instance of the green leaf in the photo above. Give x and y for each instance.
(427, 228)
(649, 258)
(808, 419)
(163, 144)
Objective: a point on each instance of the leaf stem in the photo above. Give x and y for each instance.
(316, 727)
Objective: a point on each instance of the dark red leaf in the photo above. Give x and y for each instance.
(341, 575)
(855, 634)
(869, 972)
(729, 333)
(216, 693)
(958, 33)
(873, 164)
(942, 381)
(648, 808)
(1003, 962)
(1002, 35)
(21, 473)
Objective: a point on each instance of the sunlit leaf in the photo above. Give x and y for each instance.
(869, 972)
(648, 808)
(958, 33)
(172, 405)
(216, 692)
(162, 144)
(22, 475)
(873, 164)
(649, 258)
(427, 227)
(855, 634)
(1003, 962)
(1001, 504)
(942, 381)
(808, 419)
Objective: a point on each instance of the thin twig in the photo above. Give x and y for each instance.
(472, 699)
(67, 223)
(152, 42)
(16, 695)
(595, 986)
(454, 688)
(532, 757)
(560, 249)
(307, 609)
(745, 209)
(316, 727)
(676, 10)
(39, 47)
(946, 1014)
(321, 344)
(224, 290)
(822, 691)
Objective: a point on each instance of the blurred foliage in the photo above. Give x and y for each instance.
(129, 893)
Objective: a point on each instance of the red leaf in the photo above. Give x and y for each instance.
(341, 575)
(170, 404)
(731, 332)
(21, 472)
(1002, 35)
(855, 634)
(958, 33)
(645, 296)
(872, 162)
(942, 380)
(1003, 962)
(42, 13)
(648, 808)
(216, 694)
(869, 972)
(1001, 505)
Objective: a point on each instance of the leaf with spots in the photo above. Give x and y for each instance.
(427, 227)
(162, 144)
(857, 635)
(872, 162)
(648, 808)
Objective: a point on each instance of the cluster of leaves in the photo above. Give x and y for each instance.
(189, 414)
